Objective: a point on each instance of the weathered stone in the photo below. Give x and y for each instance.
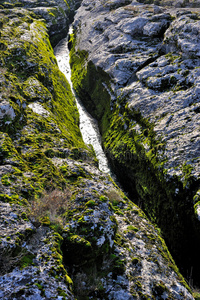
(62, 220)
(152, 59)
(7, 113)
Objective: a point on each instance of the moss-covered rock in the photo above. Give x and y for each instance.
(34, 95)
(67, 231)
(57, 14)
(140, 76)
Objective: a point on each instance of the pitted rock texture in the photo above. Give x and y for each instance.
(57, 14)
(157, 75)
(66, 230)
(140, 79)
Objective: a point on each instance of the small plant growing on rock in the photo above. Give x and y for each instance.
(196, 295)
(50, 208)
(89, 285)
(114, 196)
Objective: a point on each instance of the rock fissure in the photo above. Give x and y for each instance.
(148, 125)
(70, 232)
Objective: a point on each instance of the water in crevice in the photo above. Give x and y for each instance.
(88, 125)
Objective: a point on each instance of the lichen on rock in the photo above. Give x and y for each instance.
(67, 230)
(139, 78)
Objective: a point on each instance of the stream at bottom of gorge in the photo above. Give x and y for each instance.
(88, 125)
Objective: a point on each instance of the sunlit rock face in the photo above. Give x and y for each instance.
(140, 79)
(153, 61)
(66, 230)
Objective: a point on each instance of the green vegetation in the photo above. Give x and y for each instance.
(137, 157)
(94, 94)
(48, 171)
(31, 75)
(196, 296)
(29, 140)
(26, 260)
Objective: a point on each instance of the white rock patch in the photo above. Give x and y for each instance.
(38, 109)
(6, 111)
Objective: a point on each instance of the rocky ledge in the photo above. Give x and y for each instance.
(57, 14)
(66, 230)
(136, 68)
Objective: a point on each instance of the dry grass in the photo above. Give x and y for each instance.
(114, 196)
(50, 207)
(88, 285)
(131, 8)
(3, 70)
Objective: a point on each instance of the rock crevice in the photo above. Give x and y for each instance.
(66, 230)
(145, 59)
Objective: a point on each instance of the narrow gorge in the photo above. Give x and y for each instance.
(138, 81)
(88, 125)
(67, 231)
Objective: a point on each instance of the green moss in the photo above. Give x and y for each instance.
(7, 149)
(143, 296)
(45, 220)
(196, 197)
(26, 260)
(31, 74)
(91, 203)
(24, 216)
(88, 82)
(187, 170)
(58, 270)
(5, 180)
(119, 239)
(13, 199)
(137, 156)
(68, 280)
(41, 288)
(196, 206)
(103, 198)
(196, 296)
(62, 293)
(138, 285)
(132, 228)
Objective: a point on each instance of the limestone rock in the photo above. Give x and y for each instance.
(57, 14)
(66, 230)
(140, 67)
(7, 113)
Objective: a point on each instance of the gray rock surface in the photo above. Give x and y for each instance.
(21, 241)
(147, 59)
(124, 42)
(66, 230)
(57, 14)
